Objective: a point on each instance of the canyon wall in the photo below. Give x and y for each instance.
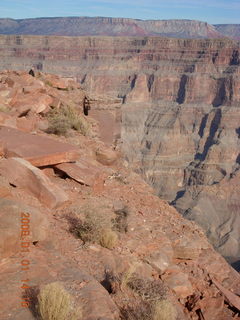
(180, 114)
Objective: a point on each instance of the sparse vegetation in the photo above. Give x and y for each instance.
(149, 290)
(137, 310)
(120, 223)
(55, 303)
(96, 227)
(4, 109)
(108, 239)
(164, 310)
(63, 119)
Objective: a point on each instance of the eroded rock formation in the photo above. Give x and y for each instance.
(179, 114)
(157, 256)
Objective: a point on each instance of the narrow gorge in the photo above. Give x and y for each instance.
(177, 102)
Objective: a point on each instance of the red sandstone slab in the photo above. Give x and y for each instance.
(83, 172)
(22, 174)
(38, 150)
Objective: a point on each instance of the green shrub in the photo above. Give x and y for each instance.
(65, 118)
(55, 303)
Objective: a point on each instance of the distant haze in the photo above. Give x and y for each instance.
(100, 26)
(211, 11)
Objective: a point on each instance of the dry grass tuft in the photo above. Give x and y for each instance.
(55, 303)
(136, 310)
(164, 310)
(4, 109)
(95, 227)
(65, 118)
(149, 290)
(108, 239)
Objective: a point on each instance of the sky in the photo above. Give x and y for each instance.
(211, 11)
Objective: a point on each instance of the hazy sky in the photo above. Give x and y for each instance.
(212, 11)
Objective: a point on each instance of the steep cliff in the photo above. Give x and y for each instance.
(180, 113)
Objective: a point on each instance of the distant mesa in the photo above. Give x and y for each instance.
(104, 26)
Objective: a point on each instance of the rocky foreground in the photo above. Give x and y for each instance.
(52, 181)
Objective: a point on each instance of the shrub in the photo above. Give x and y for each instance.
(149, 290)
(136, 310)
(96, 227)
(55, 303)
(65, 118)
(108, 239)
(164, 310)
(120, 223)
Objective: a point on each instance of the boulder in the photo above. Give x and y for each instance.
(36, 102)
(11, 213)
(21, 173)
(81, 171)
(179, 283)
(39, 150)
(106, 156)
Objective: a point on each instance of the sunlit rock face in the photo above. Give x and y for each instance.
(180, 114)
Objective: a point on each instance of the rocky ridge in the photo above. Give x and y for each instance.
(164, 248)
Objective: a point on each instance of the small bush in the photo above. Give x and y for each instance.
(55, 303)
(164, 310)
(108, 239)
(96, 227)
(65, 118)
(137, 310)
(120, 223)
(149, 290)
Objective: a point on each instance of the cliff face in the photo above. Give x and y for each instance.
(180, 114)
(103, 26)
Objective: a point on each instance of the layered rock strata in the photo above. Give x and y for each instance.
(180, 113)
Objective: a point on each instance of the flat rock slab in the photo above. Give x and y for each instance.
(11, 213)
(82, 171)
(38, 150)
(22, 174)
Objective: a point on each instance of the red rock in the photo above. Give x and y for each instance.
(106, 156)
(81, 171)
(39, 150)
(26, 124)
(11, 213)
(36, 102)
(4, 117)
(21, 173)
(4, 192)
(57, 82)
(179, 283)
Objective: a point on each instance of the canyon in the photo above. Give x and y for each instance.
(60, 190)
(174, 109)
